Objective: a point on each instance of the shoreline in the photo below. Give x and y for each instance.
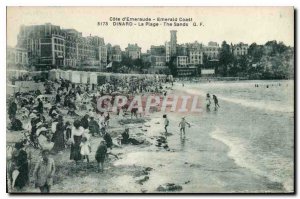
(200, 163)
(234, 151)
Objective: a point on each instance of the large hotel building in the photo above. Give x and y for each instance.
(49, 46)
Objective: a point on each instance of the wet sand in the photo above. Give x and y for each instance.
(198, 163)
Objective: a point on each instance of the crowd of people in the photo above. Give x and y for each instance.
(65, 115)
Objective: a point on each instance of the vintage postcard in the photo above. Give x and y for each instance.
(150, 100)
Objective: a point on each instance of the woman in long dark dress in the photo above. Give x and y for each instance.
(59, 141)
(20, 163)
(77, 133)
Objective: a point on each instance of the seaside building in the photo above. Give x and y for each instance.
(239, 49)
(212, 50)
(16, 58)
(133, 51)
(71, 47)
(168, 51)
(158, 57)
(158, 60)
(49, 46)
(182, 61)
(195, 52)
(102, 56)
(157, 50)
(173, 43)
(196, 57)
(116, 53)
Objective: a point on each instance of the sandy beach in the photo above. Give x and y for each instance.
(205, 161)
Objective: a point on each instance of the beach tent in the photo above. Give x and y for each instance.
(107, 76)
(69, 75)
(84, 77)
(56, 74)
(65, 75)
(207, 72)
(16, 73)
(52, 75)
(93, 78)
(59, 74)
(75, 77)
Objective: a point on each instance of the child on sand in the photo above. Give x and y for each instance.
(166, 123)
(100, 155)
(85, 148)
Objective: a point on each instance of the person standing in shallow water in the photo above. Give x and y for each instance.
(166, 123)
(182, 124)
(208, 102)
(216, 102)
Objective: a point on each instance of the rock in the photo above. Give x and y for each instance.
(145, 172)
(187, 182)
(161, 139)
(169, 187)
(143, 190)
(142, 180)
(148, 169)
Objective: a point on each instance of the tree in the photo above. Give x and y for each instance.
(205, 60)
(172, 66)
(255, 51)
(226, 58)
(127, 61)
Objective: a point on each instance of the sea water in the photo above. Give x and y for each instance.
(257, 124)
(247, 145)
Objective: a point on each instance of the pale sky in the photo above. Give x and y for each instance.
(232, 24)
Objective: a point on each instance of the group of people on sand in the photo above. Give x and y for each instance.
(65, 117)
(18, 170)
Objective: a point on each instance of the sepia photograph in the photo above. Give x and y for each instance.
(150, 100)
